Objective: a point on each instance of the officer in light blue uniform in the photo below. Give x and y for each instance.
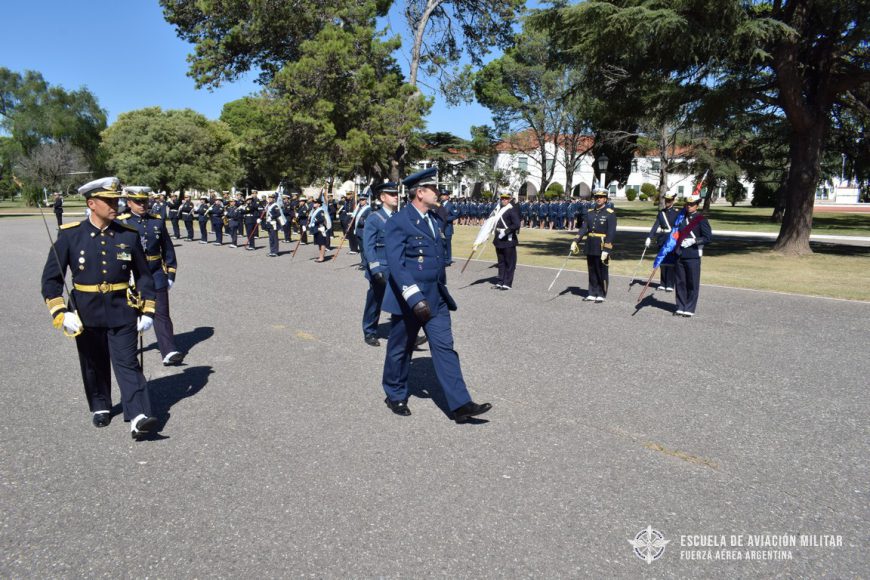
(375, 251)
(417, 296)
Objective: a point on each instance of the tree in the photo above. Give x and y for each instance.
(252, 121)
(171, 150)
(33, 113)
(794, 58)
(49, 165)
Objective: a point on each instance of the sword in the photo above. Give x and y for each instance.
(630, 282)
(59, 267)
(642, 292)
(565, 263)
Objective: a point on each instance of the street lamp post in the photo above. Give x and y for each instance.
(602, 166)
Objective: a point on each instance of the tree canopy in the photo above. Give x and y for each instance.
(173, 149)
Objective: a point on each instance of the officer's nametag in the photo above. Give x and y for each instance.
(124, 256)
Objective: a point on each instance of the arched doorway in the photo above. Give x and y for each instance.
(528, 191)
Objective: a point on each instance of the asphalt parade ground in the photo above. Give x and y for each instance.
(725, 438)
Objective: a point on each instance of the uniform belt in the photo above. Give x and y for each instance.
(102, 288)
(153, 258)
(597, 235)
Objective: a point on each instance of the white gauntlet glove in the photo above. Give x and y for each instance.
(72, 324)
(501, 233)
(688, 242)
(647, 243)
(144, 323)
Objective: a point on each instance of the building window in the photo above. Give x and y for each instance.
(655, 166)
(551, 163)
(634, 165)
(680, 190)
(523, 163)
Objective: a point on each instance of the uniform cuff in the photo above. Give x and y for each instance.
(55, 305)
(408, 291)
(149, 307)
(608, 246)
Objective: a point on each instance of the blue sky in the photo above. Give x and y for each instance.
(130, 57)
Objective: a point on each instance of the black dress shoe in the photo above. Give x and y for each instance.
(372, 340)
(469, 410)
(102, 419)
(144, 428)
(398, 407)
(421, 340)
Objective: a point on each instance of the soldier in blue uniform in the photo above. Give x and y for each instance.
(359, 225)
(661, 229)
(376, 270)
(448, 213)
(694, 234)
(416, 297)
(101, 254)
(216, 214)
(507, 228)
(186, 213)
(160, 256)
(200, 212)
(598, 232)
(320, 223)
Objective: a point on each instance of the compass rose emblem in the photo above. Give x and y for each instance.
(649, 544)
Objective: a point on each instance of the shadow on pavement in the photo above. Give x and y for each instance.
(423, 384)
(167, 391)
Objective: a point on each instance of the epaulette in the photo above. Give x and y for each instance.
(123, 216)
(128, 227)
(70, 225)
(155, 216)
(610, 210)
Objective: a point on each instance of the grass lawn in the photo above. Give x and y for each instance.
(834, 270)
(751, 219)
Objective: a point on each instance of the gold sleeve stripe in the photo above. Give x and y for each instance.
(173, 270)
(55, 304)
(150, 306)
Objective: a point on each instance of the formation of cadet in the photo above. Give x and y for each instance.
(160, 257)
(102, 314)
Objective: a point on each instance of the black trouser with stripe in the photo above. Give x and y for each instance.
(98, 347)
(163, 323)
(598, 276)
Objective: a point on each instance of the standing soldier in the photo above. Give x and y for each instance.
(359, 224)
(102, 254)
(201, 213)
(252, 218)
(216, 212)
(663, 225)
(58, 208)
(270, 224)
(448, 213)
(232, 215)
(598, 231)
(302, 211)
(376, 265)
(417, 297)
(186, 213)
(507, 229)
(158, 207)
(160, 257)
(319, 223)
(172, 206)
(693, 236)
(287, 226)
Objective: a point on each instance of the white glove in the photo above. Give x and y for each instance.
(144, 323)
(501, 233)
(259, 220)
(688, 242)
(322, 230)
(171, 282)
(604, 256)
(647, 243)
(72, 324)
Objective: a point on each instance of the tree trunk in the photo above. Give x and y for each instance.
(805, 152)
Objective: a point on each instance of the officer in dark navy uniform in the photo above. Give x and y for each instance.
(58, 208)
(186, 213)
(694, 233)
(417, 296)
(172, 207)
(270, 224)
(252, 218)
(661, 229)
(201, 213)
(233, 214)
(102, 254)
(216, 215)
(507, 228)
(598, 231)
(160, 256)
